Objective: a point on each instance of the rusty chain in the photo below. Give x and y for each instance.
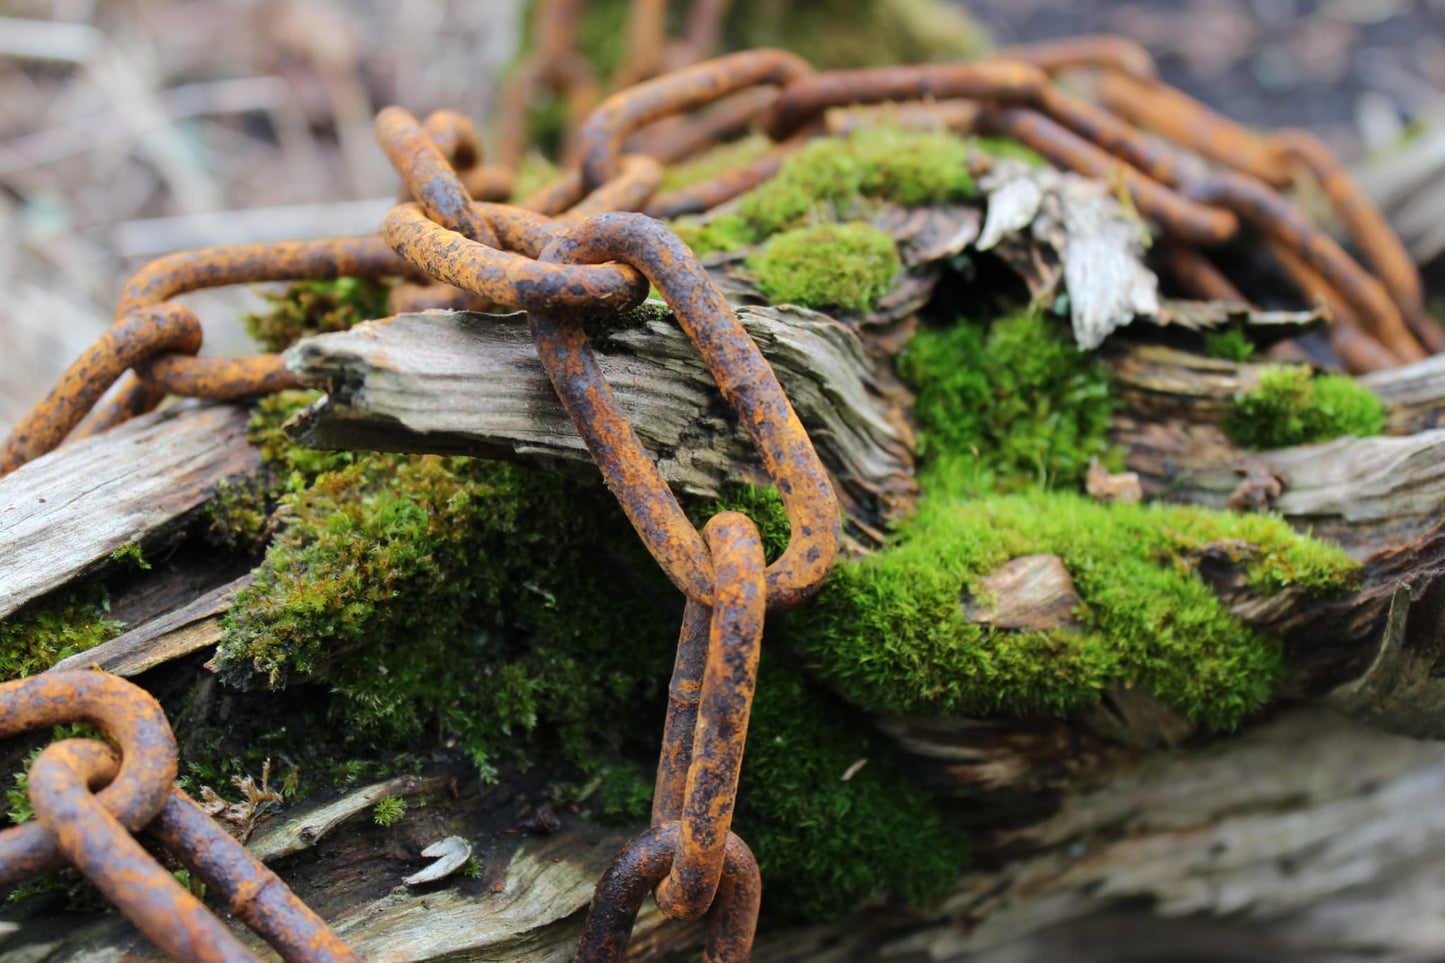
(572, 249)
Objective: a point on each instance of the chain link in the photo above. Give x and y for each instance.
(572, 249)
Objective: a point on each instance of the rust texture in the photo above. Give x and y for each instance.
(574, 249)
(721, 725)
(639, 867)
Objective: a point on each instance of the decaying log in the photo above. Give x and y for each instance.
(63, 515)
(455, 383)
(1317, 834)
(1367, 494)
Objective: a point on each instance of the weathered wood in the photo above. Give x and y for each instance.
(471, 384)
(62, 515)
(1367, 494)
(190, 628)
(1320, 833)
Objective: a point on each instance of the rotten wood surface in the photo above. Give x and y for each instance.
(64, 514)
(457, 383)
(1317, 834)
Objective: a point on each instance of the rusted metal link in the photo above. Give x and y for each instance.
(684, 692)
(1090, 51)
(647, 39)
(1178, 215)
(102, 849)
(456, 137)
(677, 138)
(636, 181)
(804, 100)
(254, 894)
(507, 279)
(126, 714)
(410, 298)
(701, 33)
(705, 195)
(139, 336)
(1196, 275)
(601, 136)
(1113, 135)
(1273, 216)
(425, 172)
(322, 259)
(1358, 352)
(1370, 232)
(1184, 120)
(639, 867)
(556, 195)
(730, 675)
(48, 424)
(219, 379)
(520, 231)
(746, 382)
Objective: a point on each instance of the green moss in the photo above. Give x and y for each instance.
(1004, 147)
(388, 810)
(890, 632)
(828, 178)
(1231, 344)
(849, 266)
(390, 571)
(314, 307)
(721, 159)
(53, 627)
(825, 844)
(131, 556)
(1291, 408)
(1006, 405)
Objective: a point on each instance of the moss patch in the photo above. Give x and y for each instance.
(54, 627)
(392, 571)
(889, 632)
(825, 844)
(1006, 405)
(830, 179)
(1231, 344)
(1292, 408)
(848, 266)
(314, 307)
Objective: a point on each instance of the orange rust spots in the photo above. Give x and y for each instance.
(102, 849)
(1369, 231)
(601, 136)
(729, 678)
(1196, 275)
(503, 278)
(999, 82)
(1186, 121)
(1091, 51)
(1272, 215)
(746, 382)
(636, 181)
(1359, 352)
(1177, 215)
(641, 864)
(127, 715)
(139, 336)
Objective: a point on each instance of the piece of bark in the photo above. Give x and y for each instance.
(64, 514)
(1033, 593)
(472, 384)
(190, 628)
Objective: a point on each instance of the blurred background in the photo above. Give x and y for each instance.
(129, 128)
